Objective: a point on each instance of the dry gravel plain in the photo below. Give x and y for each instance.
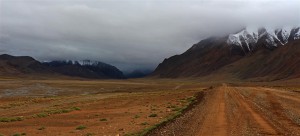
(147, 107)
(89, 107)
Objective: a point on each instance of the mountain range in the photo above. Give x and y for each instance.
(25, 66)
(262, 54)
(85, 68)
(252, 54)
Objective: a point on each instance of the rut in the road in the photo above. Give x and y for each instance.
(192, 122)
(257, 122)
(225, 111)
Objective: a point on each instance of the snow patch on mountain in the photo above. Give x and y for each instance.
(248, 37)
(285, 34)
(297, 35)
(89, 62)
(272, 38)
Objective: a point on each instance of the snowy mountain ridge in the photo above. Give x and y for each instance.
(78, 62)
(250, 36)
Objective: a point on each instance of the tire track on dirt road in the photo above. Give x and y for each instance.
(215, 123)
(225, 110)
(206, 118)
(283, 109)
(259, 124)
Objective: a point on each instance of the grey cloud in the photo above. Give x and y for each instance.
(128, 33)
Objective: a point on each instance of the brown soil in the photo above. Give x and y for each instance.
(115, 107)
(229, 110)
(106, 107)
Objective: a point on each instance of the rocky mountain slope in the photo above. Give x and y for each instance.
(264, 53)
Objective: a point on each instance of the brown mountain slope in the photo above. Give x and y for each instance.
(280, 63)
(214, 57)
(27, 66)
(200, 60)
(11, 65)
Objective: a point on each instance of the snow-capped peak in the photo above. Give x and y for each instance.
(252, 30)
(285, 34)
(297, 33)
(248, 37)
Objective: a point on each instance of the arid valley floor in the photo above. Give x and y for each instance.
(148, 107)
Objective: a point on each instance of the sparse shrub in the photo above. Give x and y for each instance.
(81, 127)
(75, 108)
(89, 134)
(57, 111)
(5, 120)
(23, 134)
(179, 111)
(104, 119)
(60, 111)
(136, 116)
(145, 123)
(172, 106)
(41, 128)
(10, 119)
(41, 115)
(191, 99)
(65, 110)
(153, 109)
(17, 134)
(176, 109)
(152, 115)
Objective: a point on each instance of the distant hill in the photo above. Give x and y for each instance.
(28, 66)
(263, 54)
(11, 65)
(85, 68)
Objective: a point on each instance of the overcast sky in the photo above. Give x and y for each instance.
(130, 34)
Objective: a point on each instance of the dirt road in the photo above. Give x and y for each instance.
(228, 110)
